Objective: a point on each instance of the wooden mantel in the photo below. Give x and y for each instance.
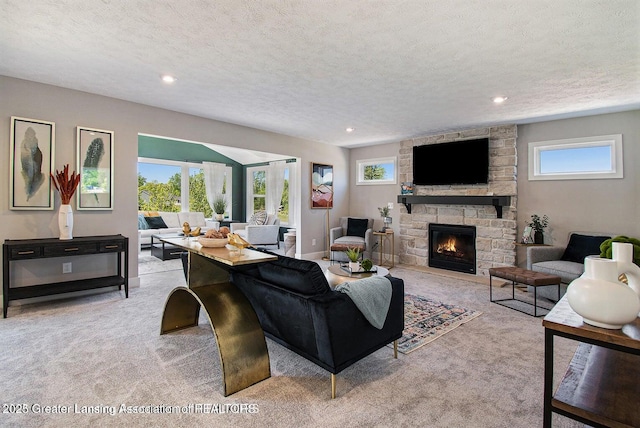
(497, 201)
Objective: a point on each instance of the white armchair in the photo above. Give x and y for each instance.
(357, 233)
(259, 234)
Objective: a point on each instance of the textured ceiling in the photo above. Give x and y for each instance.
(311, 68)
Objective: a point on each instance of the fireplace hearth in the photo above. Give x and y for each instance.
(452, 247)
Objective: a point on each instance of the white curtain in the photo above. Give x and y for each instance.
(275, 185)
(213, 180)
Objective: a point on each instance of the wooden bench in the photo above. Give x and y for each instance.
(522, 276)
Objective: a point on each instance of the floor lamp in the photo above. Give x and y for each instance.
(327, 237)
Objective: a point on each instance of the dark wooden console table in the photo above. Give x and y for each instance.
(15, 250)
(601, 387)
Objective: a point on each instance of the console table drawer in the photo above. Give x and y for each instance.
(20, 253)
(114, 246)
(70, 249)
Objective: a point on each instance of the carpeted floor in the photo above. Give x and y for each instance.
(103, 353)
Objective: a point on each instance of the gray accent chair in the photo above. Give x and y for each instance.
(338, 235)
(549, 260)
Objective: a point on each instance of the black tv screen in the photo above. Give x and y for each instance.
(458, 162)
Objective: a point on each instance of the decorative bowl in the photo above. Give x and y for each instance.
(212, 242)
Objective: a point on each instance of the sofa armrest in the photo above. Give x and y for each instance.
(237, 226)
(343, 334)
(542, 254)
(335, 233)
(262, 234)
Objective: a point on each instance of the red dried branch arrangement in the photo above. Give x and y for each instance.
(64, 184)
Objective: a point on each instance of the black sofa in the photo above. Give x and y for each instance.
(297, 308)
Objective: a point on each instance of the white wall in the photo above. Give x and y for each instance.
(583, 205)
(69, 108)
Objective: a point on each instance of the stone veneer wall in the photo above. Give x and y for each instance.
(495, 238)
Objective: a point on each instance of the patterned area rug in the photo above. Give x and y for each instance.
(425, 320)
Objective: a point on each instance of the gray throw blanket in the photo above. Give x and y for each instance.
(371, 295)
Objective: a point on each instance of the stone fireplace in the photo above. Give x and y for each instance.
(495, 226)
(452, 247)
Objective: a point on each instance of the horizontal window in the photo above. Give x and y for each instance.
(576, 158)
(376, 171)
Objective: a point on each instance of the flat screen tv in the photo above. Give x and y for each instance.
(458, 162)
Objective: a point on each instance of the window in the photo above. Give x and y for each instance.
(376, 171)
(576, 158)
(175, 186)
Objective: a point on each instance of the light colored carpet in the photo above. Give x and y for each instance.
(105, 351)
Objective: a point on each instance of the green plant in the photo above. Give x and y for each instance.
(606, 248)
(366, 264)
(353, 254)
(219, 204)
(384, 211)
(537, 223)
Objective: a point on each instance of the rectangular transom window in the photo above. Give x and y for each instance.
(576, 158)
(376, 171)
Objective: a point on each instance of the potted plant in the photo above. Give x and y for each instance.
(384, 213)
(538, 224)
(219, 207)
(353, 254)
(367, 265)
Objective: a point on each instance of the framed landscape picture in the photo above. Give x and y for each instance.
(321, 186)
(32, 159)
(95, 164)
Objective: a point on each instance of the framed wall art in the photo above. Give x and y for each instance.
(32, 159)
(95, 163)
(321, 186)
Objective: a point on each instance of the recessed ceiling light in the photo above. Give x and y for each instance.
(499, 100)
(168, 79)
(350, 129)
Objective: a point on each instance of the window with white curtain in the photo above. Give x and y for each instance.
(266, 181)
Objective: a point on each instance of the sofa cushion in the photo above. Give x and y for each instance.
(195, 218)
(357, 226)
(155, 222)
(581, 246)
(567, 271)
(300, 276)
(171, 219)
(142, 223)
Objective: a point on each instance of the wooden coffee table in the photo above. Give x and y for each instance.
(522, 276)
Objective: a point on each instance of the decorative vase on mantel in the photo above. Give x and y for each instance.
(65, 221)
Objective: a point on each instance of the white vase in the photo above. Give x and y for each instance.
(219, 217)
(600, 298)
(354, 266)
(65, 221)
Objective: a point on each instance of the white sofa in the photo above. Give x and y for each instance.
(174, 222)
(259, 234)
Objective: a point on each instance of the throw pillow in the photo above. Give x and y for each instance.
(581, 246)
(155, 222)
(258, 218)
(142, 223)
(357, 226)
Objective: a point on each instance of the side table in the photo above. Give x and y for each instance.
(289, 244)
(386, 247)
